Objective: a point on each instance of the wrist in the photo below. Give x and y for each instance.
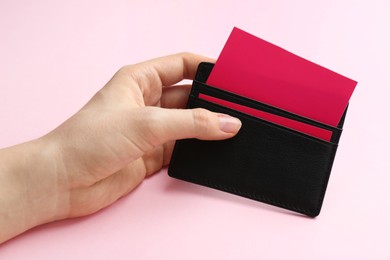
(30, 188)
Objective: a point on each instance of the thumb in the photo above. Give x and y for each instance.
(160, 125)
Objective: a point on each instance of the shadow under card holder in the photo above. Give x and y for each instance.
(265, 161)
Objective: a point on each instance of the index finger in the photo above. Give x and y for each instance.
(168, 70)
(151, 76)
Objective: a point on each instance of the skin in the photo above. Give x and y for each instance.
(125, 133)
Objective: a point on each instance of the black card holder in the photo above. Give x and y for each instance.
(264, 161)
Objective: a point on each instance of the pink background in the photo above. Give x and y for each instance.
(54, 55)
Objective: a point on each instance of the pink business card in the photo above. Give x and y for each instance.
(257, 69)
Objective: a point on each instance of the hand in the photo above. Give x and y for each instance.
(123, 134)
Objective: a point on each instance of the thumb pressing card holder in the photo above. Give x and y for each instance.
(265, 161)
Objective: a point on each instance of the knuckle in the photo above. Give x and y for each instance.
(186, 54)
(126, 70)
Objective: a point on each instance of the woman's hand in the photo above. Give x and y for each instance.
(123, 134)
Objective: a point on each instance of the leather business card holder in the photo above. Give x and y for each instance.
(264, 161)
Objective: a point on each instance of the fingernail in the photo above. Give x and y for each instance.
(229, 124)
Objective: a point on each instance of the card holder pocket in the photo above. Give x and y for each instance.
(220, 97)
(264, 161)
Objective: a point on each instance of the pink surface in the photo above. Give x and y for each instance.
(55, 55)
(254, 68)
